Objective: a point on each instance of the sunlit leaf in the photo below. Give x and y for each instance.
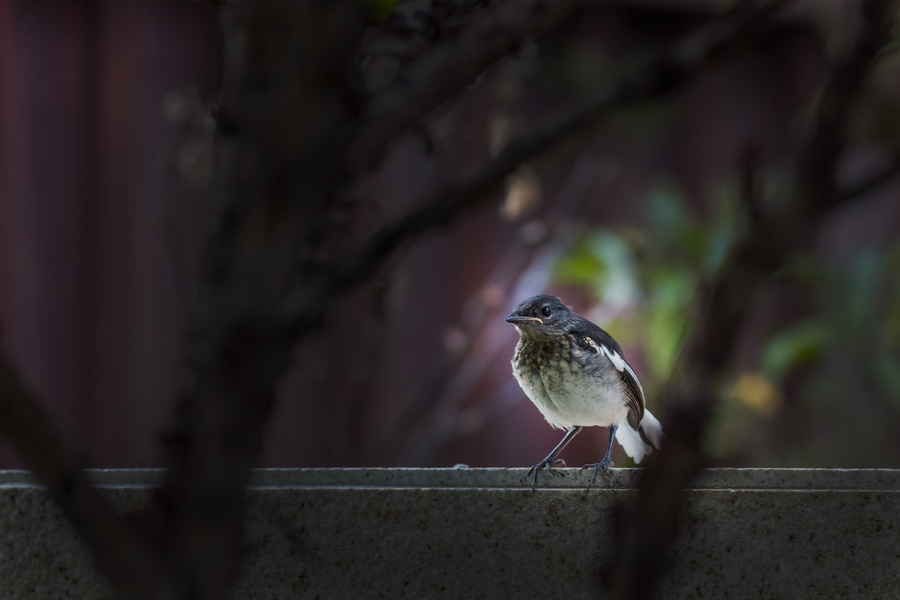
(523, 195)
(757, 392)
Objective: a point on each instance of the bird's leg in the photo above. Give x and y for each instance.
(551, 461)
(607, 462)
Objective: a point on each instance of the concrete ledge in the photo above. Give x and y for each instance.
(477, 533)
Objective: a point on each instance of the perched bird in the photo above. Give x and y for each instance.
(577, 376)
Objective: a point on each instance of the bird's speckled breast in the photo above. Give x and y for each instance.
(566, 382)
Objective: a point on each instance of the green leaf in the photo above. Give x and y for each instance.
(580, 268)
(799, 345)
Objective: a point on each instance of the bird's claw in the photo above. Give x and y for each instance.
(604, 464)
(544, 464)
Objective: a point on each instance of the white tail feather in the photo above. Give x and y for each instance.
(631, 440)
(652, 429)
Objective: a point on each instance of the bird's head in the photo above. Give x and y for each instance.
(542, 315)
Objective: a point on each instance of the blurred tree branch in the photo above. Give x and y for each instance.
(121, 553)
(407, 32)
(288, 104)
(646, 527)
(448, 68)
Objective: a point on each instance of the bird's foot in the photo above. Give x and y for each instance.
(604, 464)
(548, 464)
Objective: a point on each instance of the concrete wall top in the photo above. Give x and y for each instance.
(480, 533)
(709, 479)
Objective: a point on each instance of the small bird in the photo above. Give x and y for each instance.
(577, 376)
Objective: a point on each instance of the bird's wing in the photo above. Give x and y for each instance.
(595, 339)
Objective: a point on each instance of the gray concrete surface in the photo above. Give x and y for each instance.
(477, 533)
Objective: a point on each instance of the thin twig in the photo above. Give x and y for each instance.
(863, 188)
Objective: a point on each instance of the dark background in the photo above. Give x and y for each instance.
(105, 140)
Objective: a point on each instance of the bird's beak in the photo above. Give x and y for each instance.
(517, 320)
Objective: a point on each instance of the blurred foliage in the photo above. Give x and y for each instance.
(646, 279)
(822, 374)
(836, 367)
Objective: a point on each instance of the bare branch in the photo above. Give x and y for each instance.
(646, 528)
(414, 25)
(121, 554)
(411, 27)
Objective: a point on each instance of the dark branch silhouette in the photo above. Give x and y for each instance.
(407, 32)
(121, 553)
(447, 69)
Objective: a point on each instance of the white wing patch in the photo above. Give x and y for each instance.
(617, 361)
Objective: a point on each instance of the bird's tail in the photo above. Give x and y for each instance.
(635, 444)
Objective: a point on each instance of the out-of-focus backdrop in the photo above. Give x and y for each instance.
(105, 156)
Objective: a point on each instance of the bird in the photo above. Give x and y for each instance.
(576, 374)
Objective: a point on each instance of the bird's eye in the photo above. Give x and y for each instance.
(545, 311)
